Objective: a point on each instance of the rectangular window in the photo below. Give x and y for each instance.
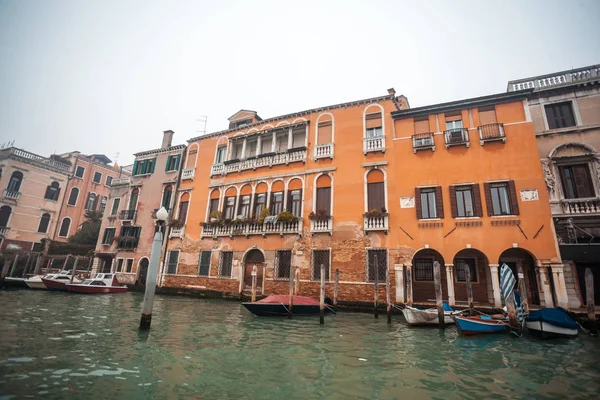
(283, 263)
(109, 235)
(244, 206)
(423, 269)
(144, 166)
(375, 196)
(129, 265)
(376, 264)
(229, 207)
(560, 115)
(236, 150)
(225, 264)
(115, 206)
(460, 264)
(500, 199)
(428, 204)
(172, 163)
(204, 263)
(295, 202)
(251, 148)
(109, 180)
(119, 265)
(298, 136)
(79, 172)
(221, 152)
(374, 132)
(373, 125)
(464, 201)
(325, 134)
(183, 209)
(281, 143)
(97, 177)
(320, 257)
(276, 203)
(422, 125)
(214, 206)
(487, 115)
(265, 145)
(457, 124)
(576, 181)
(324, 201)
(172, 261)
(260, 202)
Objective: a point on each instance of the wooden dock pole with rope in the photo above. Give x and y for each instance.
(322, 297)
(388, 296)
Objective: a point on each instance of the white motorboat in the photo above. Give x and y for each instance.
(415, 316)
(35, 282)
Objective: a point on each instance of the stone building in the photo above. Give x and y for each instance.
(565, 110)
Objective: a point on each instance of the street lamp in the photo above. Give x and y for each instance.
(161, 217)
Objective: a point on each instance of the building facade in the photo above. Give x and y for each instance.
(33, 189)
(128, 223)
(565, 110)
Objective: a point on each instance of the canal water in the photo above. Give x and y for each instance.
(60, 345)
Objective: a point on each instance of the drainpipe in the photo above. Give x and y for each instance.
(171, 212)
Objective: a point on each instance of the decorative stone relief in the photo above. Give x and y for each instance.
(529, 195)
(407, 202)
(550, 179)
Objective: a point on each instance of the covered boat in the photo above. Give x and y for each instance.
(10, 281)
(551, 323)
(101, 283)
(58, 281)
(35, 282)
(278, 305)
(481, 324)
(416, 317)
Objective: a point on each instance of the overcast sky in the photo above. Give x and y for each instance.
(109, 76)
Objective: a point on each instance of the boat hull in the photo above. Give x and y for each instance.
(415, 317)
(54, 285)
(278, 310)
(38, 285)
(476, 325)
(546, 330)
(90, 289)
(15, 282)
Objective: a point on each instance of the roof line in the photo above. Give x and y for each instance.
(160, 150)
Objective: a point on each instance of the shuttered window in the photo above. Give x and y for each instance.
(375, 196)
(487, 115)
(324, 201)
(576, 181)
(423, 269)
(376, 264)
(204, 262)
(144, 166)
(295, 202)
(172, 163)
(276, 203)
(465, 201)
(97, 177)
(52, 191)
(225, 264)
(299, 136)
(260, 202)
(429, 203)
(173, 259)
(325, 134)
(283, 263)
(229, 208)
(422, 125)
(115, 206)
(501, 198)
(183, 209)
(320, 257)
(244, 206)
(109, 235)
(560, 115)
(373, 120)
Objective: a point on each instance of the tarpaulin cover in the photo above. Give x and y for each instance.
(555, 316)
(285, 299)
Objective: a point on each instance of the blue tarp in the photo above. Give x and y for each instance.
(555, 316)
(447, 307)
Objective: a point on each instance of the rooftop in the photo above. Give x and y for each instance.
(556, 79)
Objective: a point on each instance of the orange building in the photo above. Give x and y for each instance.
(365, 187)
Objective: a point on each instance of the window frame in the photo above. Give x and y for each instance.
(76, 197)
(554, 106)
(119, 265)
(114, 211)
(47, 224)
(368, 264)
(414, 269)
(221, 259)
(293, 203)
(68, 229)
(313, 266)
(496, 186)
(462, 189)
(77, 169)
(53, 191)
(129, 266)
(104, 235)
(277, 274)
(276, 204)
(476, 272)
(564, 179)
(200, 263)
(106, 182)
(428, 191)
(169, 262)
(99, 181)
(221, 150)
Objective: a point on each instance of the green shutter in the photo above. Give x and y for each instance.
(152, 165)
(135, 167)
(177, 161)
(168, 163)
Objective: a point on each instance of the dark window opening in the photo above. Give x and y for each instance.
(376, 265)
(423, 269)
(320, 257)
(460, 264)
(283, 263)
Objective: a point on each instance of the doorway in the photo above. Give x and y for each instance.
(254, 258)
(512, 258)
(143, 272)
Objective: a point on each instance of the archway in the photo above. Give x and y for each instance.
(521, 260)
(478, 265)
(423, 287)
(142, 271)
(253, 258)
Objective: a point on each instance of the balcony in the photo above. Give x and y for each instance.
(11, 195)
(120, 181)
(62, 167)
(263, 160)
(376, 223)
(324, 151)
(177, 232)
(423, 141)
(374, 144)
(127, 215)
(321, 225)
(491, 133)
(581, 206)
(556, 79)
(456, 137)
(252, 228)
(4, 231)
(127, 242)
(188, 173)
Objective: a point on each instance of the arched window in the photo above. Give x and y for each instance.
(375, 191)
(64, 227)
(229, 204)
(260, 198)
(214, 201)
(4, 215)
(14, 184)
(166, 199)
(277, 197)
(103, 201)
(323, 196)
(133, 200)
(325, 129)
(245, 197)
(52, 191)
(192, 157)
(73, 196)
(92, 202)
(373, 123)
(44, 222)
(184, 202)
(294, 200)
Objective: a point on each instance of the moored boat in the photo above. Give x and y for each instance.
(35, 282)
(473, 325)
(278, 305)
(101, 283)
(551, 323)
(57, 282)
(14, 282)
(416, 317)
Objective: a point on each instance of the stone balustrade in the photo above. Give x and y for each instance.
(324, 151)
(581, 206)
(374, 144)
(267, 160)
(321, 225)
(252, 228)
(188, 173)
(376, 223)
(556, 79)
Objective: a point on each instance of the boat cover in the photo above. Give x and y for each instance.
(555, 316)
(285, 299)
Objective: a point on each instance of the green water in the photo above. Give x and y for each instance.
(60, 345)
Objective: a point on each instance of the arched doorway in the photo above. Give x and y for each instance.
(422, 276)
(520, 259)
(143, 271)
(253, 258)
(479, 269)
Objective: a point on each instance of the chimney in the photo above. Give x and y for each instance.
(167, 139)
(391, 91)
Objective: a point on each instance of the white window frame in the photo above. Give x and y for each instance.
(574, 107)
(125, 265)
(106, 180)
(117, 265)
(61, 224)
(75, 173)
(176, 265)
(99, 181)
(77, 199)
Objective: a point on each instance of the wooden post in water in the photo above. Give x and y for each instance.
(14, 265)
(49, 265)
(65, 263)
(467, 271)
(408, 291)
(437, 280)
(87, 274)
(522, 289)
(376, 294)
(388, 296)
(589, 300)
(335, 288)
(74, 269)
(26, 265)
(511, 311)
(322, 297)
(254, 283)
(291, 301)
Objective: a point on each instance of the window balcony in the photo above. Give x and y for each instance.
(11, 195)
(423, 141)
(252, 228)
(177, 232)
(188, 173)
(263, 160)
(376, 223)
(374, 144)
(127, 242)
(127, 215)
(457, 137)
(491, 133)
(581, 206)
(321, 225)
(324, 151)
(4, 231)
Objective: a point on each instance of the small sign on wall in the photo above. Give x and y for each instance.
(529, 195)
(407, 202)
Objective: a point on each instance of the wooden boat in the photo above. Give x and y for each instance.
(278, 305)
(551, 323)
(13, 282)
(416, 317)
(57, 282)
(35, 282)
(101, 283)
(472, 325)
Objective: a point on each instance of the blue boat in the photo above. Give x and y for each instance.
(551, 323)
(480, 324)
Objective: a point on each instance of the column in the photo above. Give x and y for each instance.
(274, 141)
(244, 149)
(450, 281)
(290, 138)
(258, 145)
(399, 276)
(545, 282)
(558, 276)
(409, 281)
(496, 285)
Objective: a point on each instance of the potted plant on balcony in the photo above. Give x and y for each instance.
(227, 162)
(263, 214)
(126, 242)
(270, 153)
(215, 216)
(374, 213)
(176, 223)
(286, 216)
(299, 148)
(320, 215)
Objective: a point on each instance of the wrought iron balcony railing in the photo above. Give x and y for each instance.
(127, 215)
(423, 141)
(491, 132)
(457, 137)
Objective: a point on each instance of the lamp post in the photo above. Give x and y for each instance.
(161, 217)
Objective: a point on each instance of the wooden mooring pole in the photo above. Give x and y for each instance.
(254, 283)
(467, 272)
(376, 294)
(87, 274)
(291, 301)
(589, 300)
(522, 289)
(74, 268)
(408, 284)
(437, 280)
(14, 265)
(322, 297)
(388, 296)
(64, 268)
(26, 266)
(335, 288)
